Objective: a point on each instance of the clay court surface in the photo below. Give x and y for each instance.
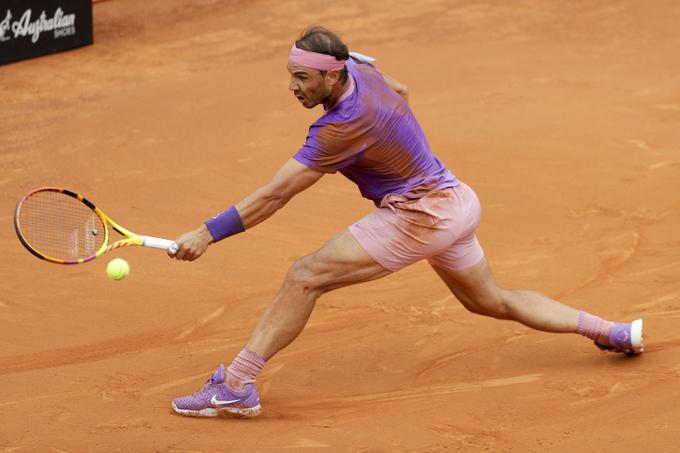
(564, 117)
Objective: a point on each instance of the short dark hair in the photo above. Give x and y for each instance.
(321, 40)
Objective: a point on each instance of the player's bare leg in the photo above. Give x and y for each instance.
(340, 262)
(476, 289)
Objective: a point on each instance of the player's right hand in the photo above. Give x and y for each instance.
(192, 244)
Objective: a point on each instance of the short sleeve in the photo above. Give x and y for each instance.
(327, 149)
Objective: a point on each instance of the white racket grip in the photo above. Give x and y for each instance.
(158, 243)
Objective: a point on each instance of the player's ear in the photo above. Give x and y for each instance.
(333, 76)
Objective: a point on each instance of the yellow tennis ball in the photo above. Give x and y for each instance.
(117, 269)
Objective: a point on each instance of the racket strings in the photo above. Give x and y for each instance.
(60, 226)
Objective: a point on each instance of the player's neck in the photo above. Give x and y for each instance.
(336, 93)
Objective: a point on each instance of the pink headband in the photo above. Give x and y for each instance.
(319, 61)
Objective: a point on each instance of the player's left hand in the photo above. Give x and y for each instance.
(192, 244)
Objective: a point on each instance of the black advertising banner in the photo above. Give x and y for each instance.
(29, 28)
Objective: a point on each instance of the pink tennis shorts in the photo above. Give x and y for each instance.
(441, 226)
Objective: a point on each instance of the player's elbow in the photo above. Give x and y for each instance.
(402, 90)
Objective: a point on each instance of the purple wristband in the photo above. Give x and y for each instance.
(225, 224)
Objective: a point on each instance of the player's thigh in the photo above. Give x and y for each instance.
(475, 286)
(339, 262)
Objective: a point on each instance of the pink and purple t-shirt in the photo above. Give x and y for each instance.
(372, 137)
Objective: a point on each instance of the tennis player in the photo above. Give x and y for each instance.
(369, 134)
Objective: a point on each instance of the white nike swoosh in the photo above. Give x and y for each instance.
(217, 402)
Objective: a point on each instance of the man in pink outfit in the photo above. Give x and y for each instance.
(369, 134)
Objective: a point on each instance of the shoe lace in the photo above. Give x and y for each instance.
(208, 384)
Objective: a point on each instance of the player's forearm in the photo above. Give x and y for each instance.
(255, 208)
(259, 206)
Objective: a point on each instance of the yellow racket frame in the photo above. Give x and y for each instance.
(130, 237)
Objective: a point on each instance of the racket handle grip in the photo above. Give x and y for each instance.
(158, 243)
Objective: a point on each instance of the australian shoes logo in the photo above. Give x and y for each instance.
(60, 24)
(5, 25)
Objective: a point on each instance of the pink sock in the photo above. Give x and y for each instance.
(593, 327)
(244, 369)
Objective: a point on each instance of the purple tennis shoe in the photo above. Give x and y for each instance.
(624, 337)
(217, 397)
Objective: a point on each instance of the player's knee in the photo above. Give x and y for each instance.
(501, 305)
(305, 276)
(493, 304)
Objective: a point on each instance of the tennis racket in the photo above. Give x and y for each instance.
(63, 227)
